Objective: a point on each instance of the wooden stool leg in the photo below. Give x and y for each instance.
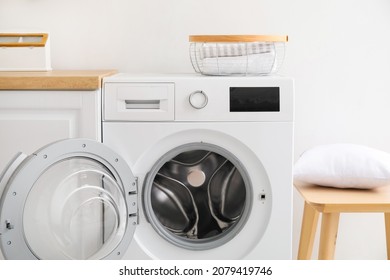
(308, 232)
(387, 225)
(329, 227)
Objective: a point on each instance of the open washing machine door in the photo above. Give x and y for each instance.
(72, 199)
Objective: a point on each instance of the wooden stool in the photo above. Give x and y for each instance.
(331, 202)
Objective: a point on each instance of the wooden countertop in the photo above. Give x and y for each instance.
(54, 80)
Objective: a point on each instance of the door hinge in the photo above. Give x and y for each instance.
(136, 214)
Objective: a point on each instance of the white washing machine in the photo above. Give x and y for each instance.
(191, 167)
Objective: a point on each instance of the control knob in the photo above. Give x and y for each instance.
(198, 99)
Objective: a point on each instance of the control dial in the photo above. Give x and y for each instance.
(198, 99)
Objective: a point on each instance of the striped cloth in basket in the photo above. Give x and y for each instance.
(210, 50)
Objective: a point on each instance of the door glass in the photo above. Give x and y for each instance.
(75, 210)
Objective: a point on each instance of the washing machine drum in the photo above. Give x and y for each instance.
(178, 199)
(73, 199)
(197, 196)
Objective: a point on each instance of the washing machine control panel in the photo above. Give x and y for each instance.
(234, 99)
(197, 98)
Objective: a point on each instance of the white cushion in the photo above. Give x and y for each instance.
(344, 166)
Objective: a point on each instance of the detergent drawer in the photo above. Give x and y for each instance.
(138, 101)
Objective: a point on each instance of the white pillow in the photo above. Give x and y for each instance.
(344, 166)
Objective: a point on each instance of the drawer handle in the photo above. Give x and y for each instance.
(142, 104)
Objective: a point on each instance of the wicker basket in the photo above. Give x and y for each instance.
(237, 54)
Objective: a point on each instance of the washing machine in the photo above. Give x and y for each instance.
(190, 167)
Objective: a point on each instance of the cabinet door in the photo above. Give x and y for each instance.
(31, 119)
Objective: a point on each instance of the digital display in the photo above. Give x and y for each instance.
(254, 99)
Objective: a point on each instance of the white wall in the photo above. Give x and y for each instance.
(339, 55)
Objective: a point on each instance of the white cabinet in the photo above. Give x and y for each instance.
(32, 119)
